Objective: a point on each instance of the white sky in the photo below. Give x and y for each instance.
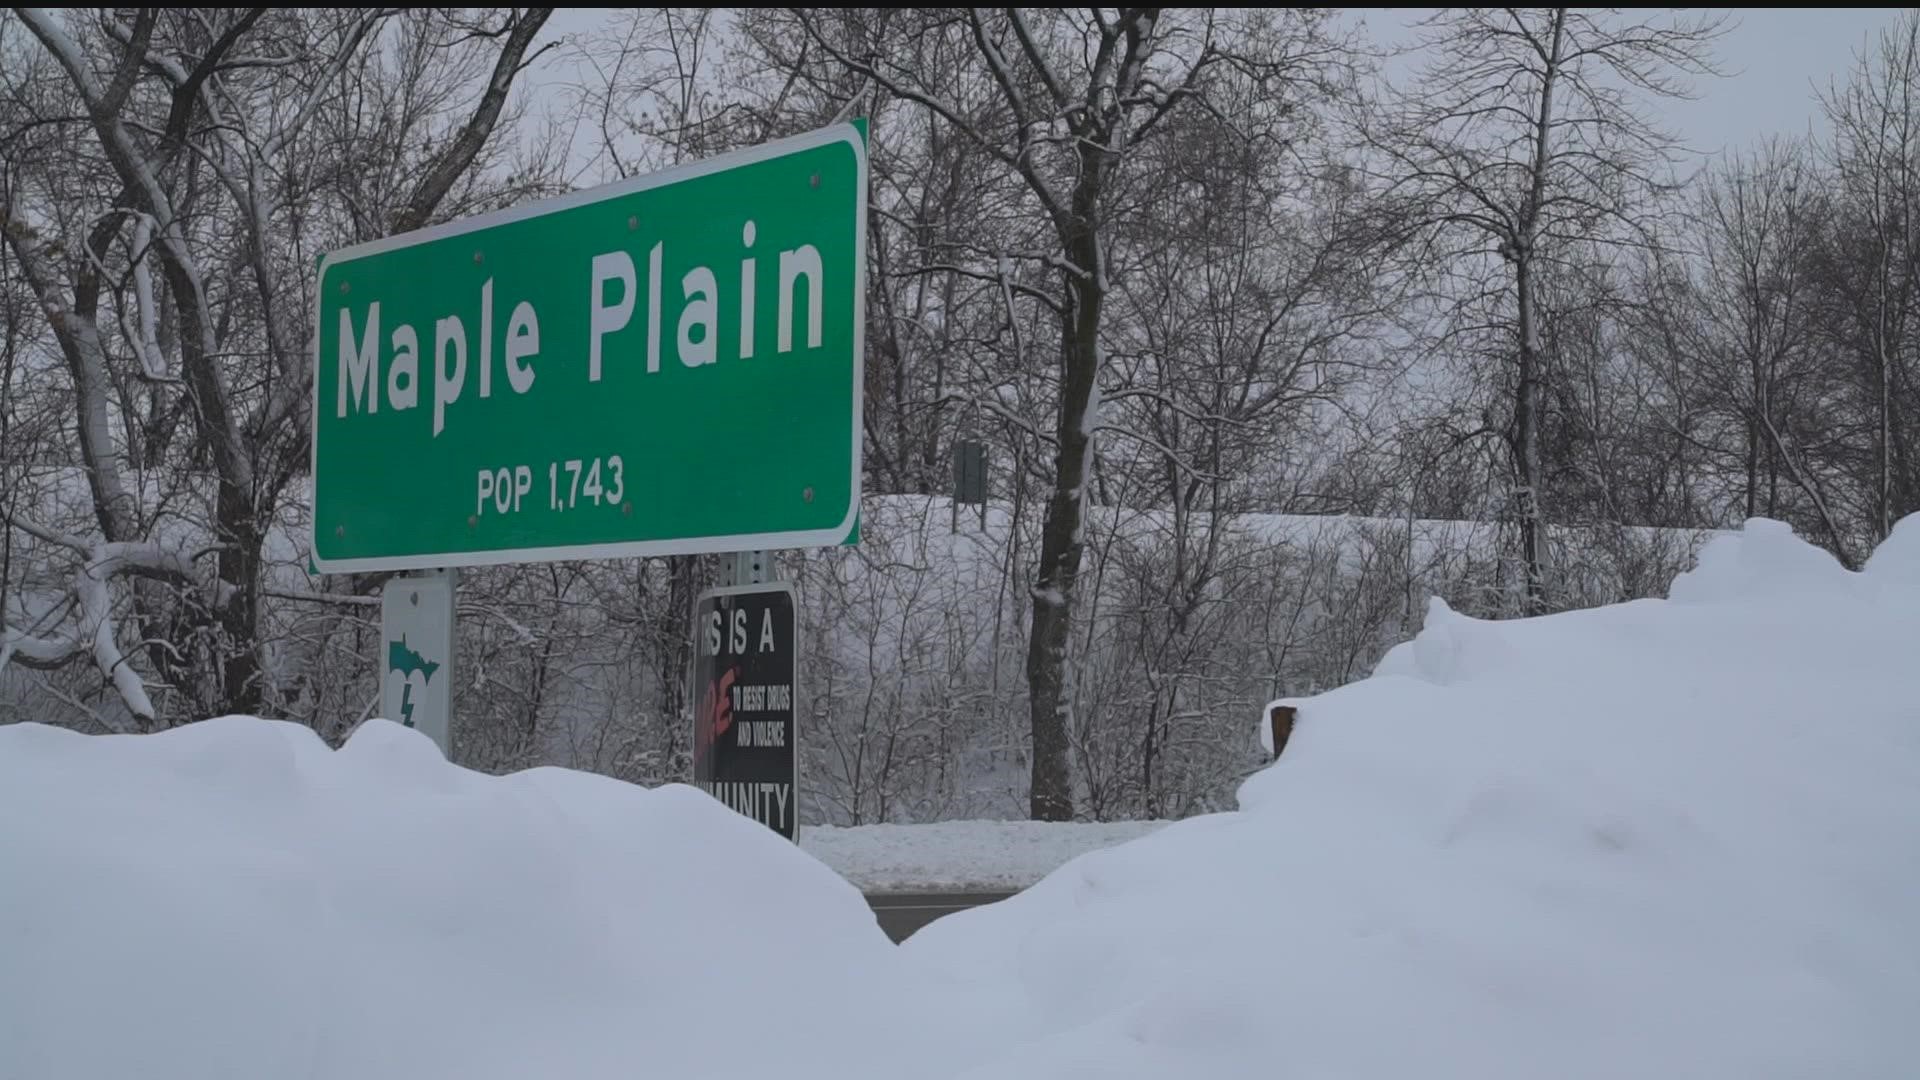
(1774, 59)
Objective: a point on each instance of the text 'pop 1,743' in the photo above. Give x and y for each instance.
(569, 484)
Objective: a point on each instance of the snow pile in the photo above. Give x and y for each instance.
(1675, 838)
(1898, 558)
(233, 899)
(960, 856)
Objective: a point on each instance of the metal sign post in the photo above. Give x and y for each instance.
(969, 479)
(417, 646)
(746, 568)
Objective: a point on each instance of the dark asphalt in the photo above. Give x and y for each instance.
(900, 914)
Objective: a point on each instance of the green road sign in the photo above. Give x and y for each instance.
(667, 365)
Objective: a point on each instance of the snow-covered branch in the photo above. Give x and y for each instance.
(47, 533)
(146, 343)
(93, 629)
(198, 338)
(1173, 456)
(79, 339)
(34, 650)
(334, 599)
(1034, 57)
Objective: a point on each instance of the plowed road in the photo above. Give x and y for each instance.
(901, 914)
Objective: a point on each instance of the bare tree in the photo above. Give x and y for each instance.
(1066, 101)
(1251, 312)
(1875, 255)
(186, 148)
(1522, 136)
(1754, 321)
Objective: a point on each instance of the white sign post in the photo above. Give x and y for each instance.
(416, 653)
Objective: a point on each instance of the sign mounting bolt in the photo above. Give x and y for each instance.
(472, 522)
(816, 180)
(632, 223)
(807, 495)
(478, 258)
(340, 531)
(626, 508)
(344, 287)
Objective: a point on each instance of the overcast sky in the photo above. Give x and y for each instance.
(1774, 58)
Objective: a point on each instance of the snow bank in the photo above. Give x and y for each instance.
(960, 856)
(233, 899)
(1674, 838)
(1766, 559)
(1898, 557)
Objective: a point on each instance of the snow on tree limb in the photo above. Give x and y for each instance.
(35, 651)
(79, 339)
(147, 342)
(198, 338)
(93, 633)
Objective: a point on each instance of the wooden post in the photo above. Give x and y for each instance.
(1281, 721)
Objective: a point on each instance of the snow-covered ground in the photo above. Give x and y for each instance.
(1674, 838)
(232, 899)
(960, 856)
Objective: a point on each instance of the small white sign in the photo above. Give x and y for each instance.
(416, 654)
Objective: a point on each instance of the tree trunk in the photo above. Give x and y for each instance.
(1526, 422)
(1753, 438)
(1886, 433)
(1062, 534)
(673, 655)
(1526, 409)
(1900, 429)
(1149, 804)
(240, 672)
